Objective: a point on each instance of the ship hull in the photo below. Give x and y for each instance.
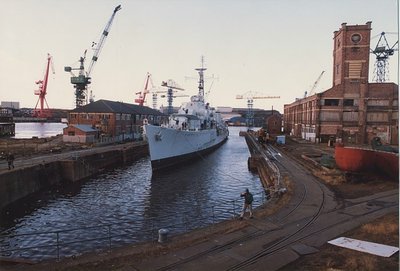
(170, 147)
(365, 160)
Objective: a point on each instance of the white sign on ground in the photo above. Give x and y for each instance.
(364, 246)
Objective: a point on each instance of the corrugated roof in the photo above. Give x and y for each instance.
(84, 127)
(105, 106)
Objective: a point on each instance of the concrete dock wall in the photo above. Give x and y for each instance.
(88, 165)
(269, 174)
(21, 182)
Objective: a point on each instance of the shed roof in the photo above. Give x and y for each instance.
(106, 106)
(84, 127)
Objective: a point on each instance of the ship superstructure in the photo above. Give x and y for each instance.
(195, 129)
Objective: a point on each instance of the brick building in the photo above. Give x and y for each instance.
(7, 124)
(273, 124)
(353, 110)
(107, 119)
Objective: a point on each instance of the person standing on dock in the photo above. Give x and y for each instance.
(248, 201)
(10, 160)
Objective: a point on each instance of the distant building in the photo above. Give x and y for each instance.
(224, 109)
(236, 121)
(13, 105)
(7, 125)
(107, 120)
(273, 124)
(353, 110)
(81, 133)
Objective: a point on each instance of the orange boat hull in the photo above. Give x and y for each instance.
(358, 160)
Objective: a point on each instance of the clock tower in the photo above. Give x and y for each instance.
(351, 54)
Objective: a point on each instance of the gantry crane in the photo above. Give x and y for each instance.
(382, 52)
(250, 96)
(314, 87)
(142, 94)
(82, 81)
(42, 91)
(172, 88)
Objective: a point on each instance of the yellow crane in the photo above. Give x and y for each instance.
(251, 96)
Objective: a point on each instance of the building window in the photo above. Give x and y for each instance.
(337, 69)
(356, 38)
(348, 102)
(331, 102)
(355, 69)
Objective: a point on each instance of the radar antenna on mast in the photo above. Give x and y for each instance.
(201, 79)
(202, 93)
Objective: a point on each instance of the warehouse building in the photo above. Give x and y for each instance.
(104, 121)
(352, 110)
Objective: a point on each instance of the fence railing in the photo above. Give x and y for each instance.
(75, 241)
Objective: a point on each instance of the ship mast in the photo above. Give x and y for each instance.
(201, 79)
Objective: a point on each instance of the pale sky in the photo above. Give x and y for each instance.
(274, 47)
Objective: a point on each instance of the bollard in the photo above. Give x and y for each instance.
(162, 235)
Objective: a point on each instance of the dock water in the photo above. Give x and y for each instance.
(23, 181)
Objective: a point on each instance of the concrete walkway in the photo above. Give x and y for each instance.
(36, 159)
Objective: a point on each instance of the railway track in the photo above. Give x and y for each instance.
(302, 187)
(306, 216)
(270, 249)
(274, 246)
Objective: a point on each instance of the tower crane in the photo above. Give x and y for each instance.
(382, 52)
(42, 91)
(314, 87)
(142, 94)
(83, 79)
(250, 96)
(172, 88)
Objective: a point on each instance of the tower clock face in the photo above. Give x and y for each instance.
(355, 38)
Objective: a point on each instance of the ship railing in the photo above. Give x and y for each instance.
(72, 242)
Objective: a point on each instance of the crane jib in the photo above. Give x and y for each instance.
(82, 81)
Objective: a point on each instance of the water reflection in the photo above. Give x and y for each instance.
(132, 204)
(38, 129)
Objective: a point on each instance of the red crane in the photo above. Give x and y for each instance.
(142, 94)
(42, 91)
